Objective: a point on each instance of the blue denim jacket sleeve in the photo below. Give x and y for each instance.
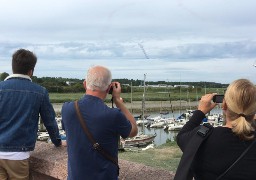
(48, 117)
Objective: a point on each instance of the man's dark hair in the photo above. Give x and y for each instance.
(23, 61)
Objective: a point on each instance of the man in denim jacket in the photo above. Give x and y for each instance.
(21, 102)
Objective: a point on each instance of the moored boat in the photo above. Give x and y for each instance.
(142, 139)
(142, 122)
(175, 126)
(139, 140)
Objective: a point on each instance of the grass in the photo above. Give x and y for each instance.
(151, 95)
(64, 97)
(166, 156)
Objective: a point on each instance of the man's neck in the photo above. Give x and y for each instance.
(18, 76)
(99, 94)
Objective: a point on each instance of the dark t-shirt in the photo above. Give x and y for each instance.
(105, 124)
(218, 152)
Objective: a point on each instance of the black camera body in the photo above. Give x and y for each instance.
(218, 98)
(111, 89)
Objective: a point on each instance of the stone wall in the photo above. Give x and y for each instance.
(50, 163)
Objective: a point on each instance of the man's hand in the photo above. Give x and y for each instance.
(116, 90)
(120, 104)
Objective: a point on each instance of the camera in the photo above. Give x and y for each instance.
(218, 98)
(111, 89)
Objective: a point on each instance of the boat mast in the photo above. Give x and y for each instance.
(143, 105)
(180, 97)
(131, 99)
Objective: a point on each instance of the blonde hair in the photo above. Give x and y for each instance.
(240, 98)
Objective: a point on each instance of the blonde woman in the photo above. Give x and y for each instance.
(225, 144)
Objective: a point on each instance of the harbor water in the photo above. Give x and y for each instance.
(161, 135)
(164, 135)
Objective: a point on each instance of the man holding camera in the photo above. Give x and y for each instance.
(105, 124)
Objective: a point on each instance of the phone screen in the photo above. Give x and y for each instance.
(218, 98)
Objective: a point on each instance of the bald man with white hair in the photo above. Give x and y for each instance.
(104, 123)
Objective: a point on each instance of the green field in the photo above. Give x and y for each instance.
(64, 97)
(152, 94)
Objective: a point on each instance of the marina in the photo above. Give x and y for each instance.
(162, 135)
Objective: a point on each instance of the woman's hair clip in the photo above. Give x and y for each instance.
(242, 114)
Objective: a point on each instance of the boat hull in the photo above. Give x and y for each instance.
(140, 140)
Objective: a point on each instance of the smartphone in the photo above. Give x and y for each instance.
(218, 98)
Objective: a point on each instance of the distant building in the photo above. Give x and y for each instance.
(153, 85)
(159, 85)
(70, 83)
(162, 85)
(126, 84)
(183, 86)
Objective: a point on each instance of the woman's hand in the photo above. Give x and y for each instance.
(206, 104)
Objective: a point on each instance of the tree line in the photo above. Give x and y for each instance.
(72, 85)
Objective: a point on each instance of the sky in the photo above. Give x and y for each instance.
(168, 40)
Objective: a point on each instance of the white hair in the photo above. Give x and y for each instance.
(98, 78)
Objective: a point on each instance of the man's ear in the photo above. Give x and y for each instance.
(108, 88)
(30, 72)
(84, 83)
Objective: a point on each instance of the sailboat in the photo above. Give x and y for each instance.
(142, 139)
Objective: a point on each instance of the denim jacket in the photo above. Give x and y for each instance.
(21, 102)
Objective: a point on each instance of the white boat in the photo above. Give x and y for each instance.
(186, 115)
(154, 119)
(150, 146)
(139, 140)
(159, 121)
(58, 120)
(42, 136)
(175, 126)
(158, 124)
(142, 122)
(215, 119)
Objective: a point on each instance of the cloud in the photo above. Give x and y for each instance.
(157, 49)
(183, 39)
(96, 20)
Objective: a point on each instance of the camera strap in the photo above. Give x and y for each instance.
(112, 102)
(184, 168)
(96, 145)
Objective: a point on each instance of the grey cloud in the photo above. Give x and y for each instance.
(131, 50)
(199, 51)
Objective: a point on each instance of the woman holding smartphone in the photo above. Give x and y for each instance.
(226, 143)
